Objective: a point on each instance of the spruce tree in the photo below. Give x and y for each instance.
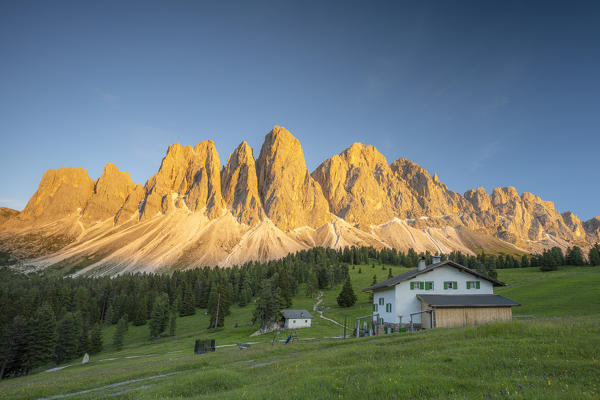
(172, 323)
(594, 255)
(141, 312)
(96, 339)
(42, 341)
(218, 304)
(159, 316)
(15, 343)
(284, 288)
(390, 274)
(268, 305)
(346, 298)
(67, 341)
(371, 294)
(188, 301)
(120, 333)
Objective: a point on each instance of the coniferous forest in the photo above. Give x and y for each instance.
(48, 319)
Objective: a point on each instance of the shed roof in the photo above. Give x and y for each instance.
(296, 314)
(415, 272)
(467, 300)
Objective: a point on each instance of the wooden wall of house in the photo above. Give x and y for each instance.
(450, 317)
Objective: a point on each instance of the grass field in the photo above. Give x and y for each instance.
(555, 355)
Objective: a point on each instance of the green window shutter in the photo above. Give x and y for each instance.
(421, 285)
(468, 285)
(374, 307)
(445, 285)
(455, 285)
(381, 301)
(477, 284)
(412, 286)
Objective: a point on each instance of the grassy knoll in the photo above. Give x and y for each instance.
(543, 358)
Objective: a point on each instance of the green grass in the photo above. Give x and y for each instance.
(543, 358)
(568, 291)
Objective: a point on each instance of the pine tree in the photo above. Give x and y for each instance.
(188, 301)
(218, 304)
(284, 289)
(42, 341)
(594, 255)
(524, 261)
(141, 312)
(346, 298)
(574, 256)
(96, 339)
(67, 341)
(268, 305)
(84, 339)
(312, 284)
(108, 315)
(14, 351)
(172, 323)
(371, 294)
(120, 333)
(390, 274)
(159, 316)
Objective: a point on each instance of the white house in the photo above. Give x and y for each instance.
(443, 294)
(296, 319)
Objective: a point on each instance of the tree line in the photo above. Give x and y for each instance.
(48, 319)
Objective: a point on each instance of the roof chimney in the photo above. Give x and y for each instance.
(421, 266)
(437, 259)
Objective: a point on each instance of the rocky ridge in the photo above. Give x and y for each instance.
(192, 212)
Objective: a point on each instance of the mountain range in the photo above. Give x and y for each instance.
(195, 212)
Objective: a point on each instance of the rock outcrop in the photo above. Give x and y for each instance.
(61, 192)
(240, 186)
(290, 197)
(362, 189)
(187, 177)
(110, 191)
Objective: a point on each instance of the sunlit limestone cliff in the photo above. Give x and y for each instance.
(196, 212)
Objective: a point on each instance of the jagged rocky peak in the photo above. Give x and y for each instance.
(193, 172)
(592, 229)
(110, 191)
(61, 192)
(240, 186)
(291, 198)
(479, 198)
(360, 187)
(205, 192)
(433, 196)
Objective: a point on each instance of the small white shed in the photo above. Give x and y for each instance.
(296, 319)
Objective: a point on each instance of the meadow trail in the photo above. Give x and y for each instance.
(315, 309)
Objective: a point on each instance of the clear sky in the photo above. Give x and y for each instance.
(483, 93)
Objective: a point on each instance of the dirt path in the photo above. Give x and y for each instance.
(315, 309)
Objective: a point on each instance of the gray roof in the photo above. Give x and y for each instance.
(296, 314)
(415, 272)
(466, 300)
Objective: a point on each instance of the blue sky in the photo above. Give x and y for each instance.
(483, 94)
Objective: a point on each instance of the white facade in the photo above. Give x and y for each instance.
(404, 300)
(293, 323)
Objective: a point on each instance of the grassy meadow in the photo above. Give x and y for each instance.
(553, 353)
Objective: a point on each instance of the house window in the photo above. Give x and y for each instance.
(417, 285)
(388, 307)
(450, 285)
(428, 285)
(381, 301)
(473, 285)
(305, 321)
(375, 307)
